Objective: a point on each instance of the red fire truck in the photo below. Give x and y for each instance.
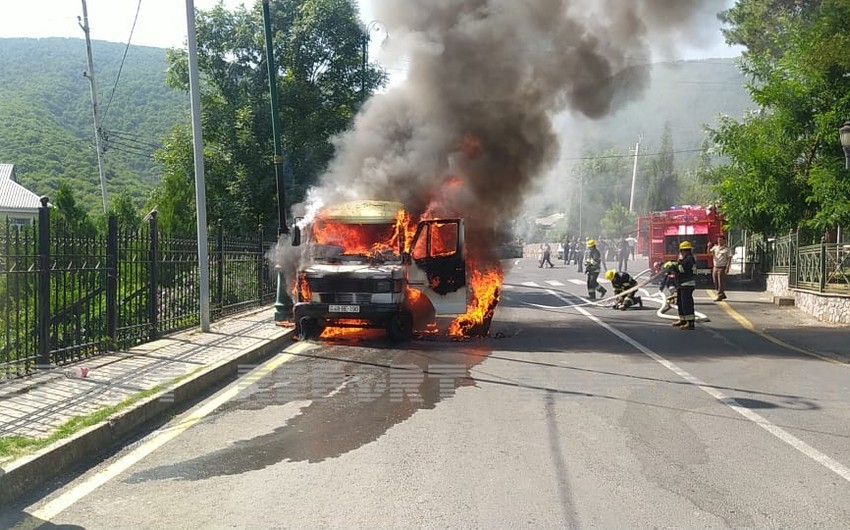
(659, 234)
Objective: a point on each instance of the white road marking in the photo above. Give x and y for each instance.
(554, 283)
(833, 465)
(160, 438)
(578, 282)
(530, 284)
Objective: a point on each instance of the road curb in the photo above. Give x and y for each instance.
(23, 475)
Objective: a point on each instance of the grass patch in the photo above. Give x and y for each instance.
(17, 446)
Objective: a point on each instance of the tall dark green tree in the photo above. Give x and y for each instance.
(318, 54)
(662, 184)
(786, 165)
(69, 216)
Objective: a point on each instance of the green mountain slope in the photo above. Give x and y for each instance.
(46, 125)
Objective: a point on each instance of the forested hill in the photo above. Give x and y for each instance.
(46, 125)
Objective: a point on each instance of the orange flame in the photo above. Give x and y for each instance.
(302, 291)
(363, 239)
(486, 286)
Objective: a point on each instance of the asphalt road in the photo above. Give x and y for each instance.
(566, 417)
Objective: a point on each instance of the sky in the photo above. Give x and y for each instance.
(162, 23)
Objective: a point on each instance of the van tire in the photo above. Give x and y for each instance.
(400, 327)
(309, 328)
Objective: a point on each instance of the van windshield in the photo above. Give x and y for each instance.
(336, 241)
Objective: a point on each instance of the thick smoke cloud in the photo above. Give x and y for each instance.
(485, 79)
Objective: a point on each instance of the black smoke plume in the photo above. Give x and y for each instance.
(485, 78)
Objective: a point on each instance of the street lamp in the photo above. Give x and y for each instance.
(282, 303)
(365, 38)
(844, 134)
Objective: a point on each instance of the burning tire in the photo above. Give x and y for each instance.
(400, 327)
(309, 328)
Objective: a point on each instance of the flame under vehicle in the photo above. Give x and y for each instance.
(369, 266)
(659, 234)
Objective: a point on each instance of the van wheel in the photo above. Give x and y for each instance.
(400, 327)
(309, 328)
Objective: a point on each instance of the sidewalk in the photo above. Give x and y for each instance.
(788, 324)
(39, 405)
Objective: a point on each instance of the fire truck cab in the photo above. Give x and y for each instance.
(360, 269)
(660, 233)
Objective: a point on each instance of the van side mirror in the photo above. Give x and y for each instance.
(296, 236)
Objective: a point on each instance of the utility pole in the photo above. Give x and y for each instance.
(365, 39)
(90, 76)
(200, 185)
(634, 177)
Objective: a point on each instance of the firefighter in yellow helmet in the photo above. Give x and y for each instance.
(592, 259)
(621, 282)
(686, 281)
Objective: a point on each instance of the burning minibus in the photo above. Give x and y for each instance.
(366, 264)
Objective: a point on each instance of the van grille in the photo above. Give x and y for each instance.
(345, 298)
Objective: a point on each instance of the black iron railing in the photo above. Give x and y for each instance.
(65, 297)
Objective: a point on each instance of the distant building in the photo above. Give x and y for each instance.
(17, 204)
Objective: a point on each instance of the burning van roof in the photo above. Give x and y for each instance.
(362, 212)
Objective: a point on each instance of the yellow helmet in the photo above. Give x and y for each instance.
(591, 242)
(610, 275)
(685, 245)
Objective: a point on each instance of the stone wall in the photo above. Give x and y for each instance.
(778, 284)
(826, 307)
(831, 308)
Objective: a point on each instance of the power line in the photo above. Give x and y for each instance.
(123, 58)
(632, 155)
(130, 138)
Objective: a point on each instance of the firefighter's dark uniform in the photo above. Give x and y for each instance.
(686, 281)
(622, 281)
(591, 268)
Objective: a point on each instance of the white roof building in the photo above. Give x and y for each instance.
(17, 203)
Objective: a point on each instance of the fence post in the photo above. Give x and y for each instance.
(823, 264)
(112, 281)
(153, 287)
(219, 290)
(261, 270)
(43, 324)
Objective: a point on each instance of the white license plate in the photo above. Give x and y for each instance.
(344, 308)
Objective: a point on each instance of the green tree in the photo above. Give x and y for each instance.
(662, 189)
(69, 216)
(696, 183)
(786, 165)
(174, 199)
(125, 211)
(618, 220)
(762, 26)
(318, 54)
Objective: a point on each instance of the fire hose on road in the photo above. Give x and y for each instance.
(607, 302)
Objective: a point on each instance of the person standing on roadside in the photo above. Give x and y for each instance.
(686, 282)
(602, 245)
(722, 263)
(623, 255)
(545, 256)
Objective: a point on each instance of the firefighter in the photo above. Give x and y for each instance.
(667, 286)
(686, 281)
(622, 281)
(592, 259)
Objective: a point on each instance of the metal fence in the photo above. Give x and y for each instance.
(822, 267)
(64, 297)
